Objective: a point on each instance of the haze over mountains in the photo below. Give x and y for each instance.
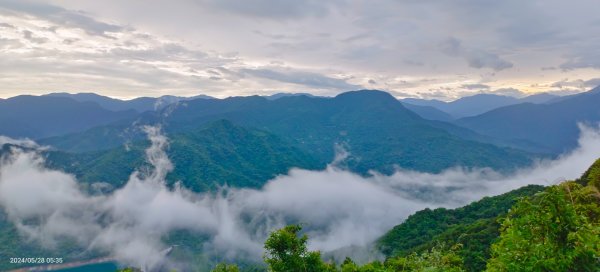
(479, 103)
(363, 122)
(260, 149)
(553, 125)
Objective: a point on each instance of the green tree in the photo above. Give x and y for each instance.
(223, 267)
(438, 259)
(557, 230)
(286, 252)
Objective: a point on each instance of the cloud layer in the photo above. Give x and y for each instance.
(222, 48)
(339, 209)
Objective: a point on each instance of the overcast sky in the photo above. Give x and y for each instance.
(411, 48)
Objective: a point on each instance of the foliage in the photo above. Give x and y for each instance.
(474, 226)
(286, 251)
(206, 157)
(557, 230)
(223, 267)
(435, 260)
(379, 132)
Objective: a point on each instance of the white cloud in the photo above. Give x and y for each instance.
(339, 209)
(335, 39)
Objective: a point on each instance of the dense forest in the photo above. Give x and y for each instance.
(556, 228)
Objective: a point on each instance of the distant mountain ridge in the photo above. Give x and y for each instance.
(140, 104)
(553, 125)
(377, 130)
(37, 117)
(479, 103)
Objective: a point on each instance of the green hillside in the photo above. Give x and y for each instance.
(379, 132)
(211, 155)
(474, 226)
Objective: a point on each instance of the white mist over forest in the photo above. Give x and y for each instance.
(339, 209)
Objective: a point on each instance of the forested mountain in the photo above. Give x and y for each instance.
(475, 226)
(42, 116)
(533, 228)
(211, 155)
(429, 112)
(553, 126)
(139, 104)
(373, 126)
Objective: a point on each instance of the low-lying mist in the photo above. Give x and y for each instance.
(339, 209)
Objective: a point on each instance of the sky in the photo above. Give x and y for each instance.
(410, 48)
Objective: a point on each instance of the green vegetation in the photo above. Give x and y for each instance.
(557, 230)
(474, 226)
(223, 267)
(286, 252)
(379, 132)
(529, 229)
(208, 156)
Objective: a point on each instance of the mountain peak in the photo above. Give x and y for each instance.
(370, 95)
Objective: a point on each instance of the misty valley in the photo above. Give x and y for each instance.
(299, 136)
(355, 182)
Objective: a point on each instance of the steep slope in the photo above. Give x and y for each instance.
(214, 154)
(378, 131)
(429, 112)
(553, 126)
(475, 226)
(39, 116)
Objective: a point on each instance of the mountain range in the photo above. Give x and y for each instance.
(377, 130)
(44, 116)
(245, 141)
(552, 126)
(472, 105)
(140, 104)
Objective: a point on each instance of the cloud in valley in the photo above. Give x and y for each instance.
(339, 209)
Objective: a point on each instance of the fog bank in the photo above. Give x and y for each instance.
(338, 208)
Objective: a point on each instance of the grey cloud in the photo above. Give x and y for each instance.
(280, 10)
(578, 84)
(70, 41)
(476, 58)
(28, 35)
(10, 43)
(302, 78)
(477, 86)
(482, 59)
(6, 25)
(169, 51)
(583, 60)
(61, 16)
(592, 83)
(353, 37)
(509, 91)
(573, 84)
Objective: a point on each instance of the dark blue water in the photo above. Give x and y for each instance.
(101, 267)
